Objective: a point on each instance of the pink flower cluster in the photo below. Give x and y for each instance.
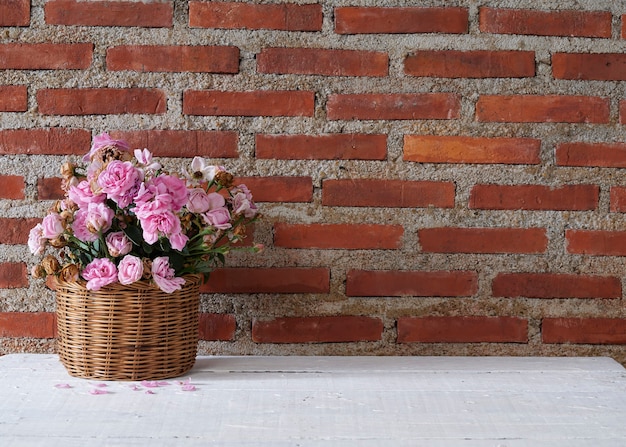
(126, 219)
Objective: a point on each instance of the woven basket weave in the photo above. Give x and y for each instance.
(134, 332)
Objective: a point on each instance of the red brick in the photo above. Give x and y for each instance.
(388, 193)
(28, 325)
(618, 199)
(535, 197)
(12, 187)
(13, 275)
(585, 66)
(338, 236)
(49, 188)
(217, 327)
(411, 283)
(375, 20)
(327, 329)
(466, 329)
(251, 103)
(172, 58)
(49, 141)
(101, 101)
(622, 112)
(600, 331)
(182, 143)
(269, 280)
(109, 13)
(623, 26)
(556, 285)
(46, 56)
(393, 106)
(322, 147)
(319, 61)
(14, 12)
(542, 109)
(279, 189)
(545, 23)
(13, 98)
(608, 155)
(240, 15)
(14, 230)
(596, 242)
(471, 64)
(483, 240)
(478, 150)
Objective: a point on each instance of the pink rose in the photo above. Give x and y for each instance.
(219, 218)
(99, 273)
(120, 181)
(118, 244)
(173, 187)
(130, 269)
(102, 140)
(164, 275)
(36, 241)
(216, 201)
(82, 195)
(93, 220)
(198, 201)
(52, 226)
(242, 202)
(158, 222)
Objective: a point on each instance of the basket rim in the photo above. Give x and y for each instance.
(142, 284)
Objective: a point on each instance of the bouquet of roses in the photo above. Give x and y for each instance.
(124, 219)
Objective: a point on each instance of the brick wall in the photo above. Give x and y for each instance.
(441, 178)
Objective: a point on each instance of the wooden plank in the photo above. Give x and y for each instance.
(311, 401)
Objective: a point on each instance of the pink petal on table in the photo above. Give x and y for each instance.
(149, 392)
(63, 385)
(188, 387)
(135, 387)
(98, 391)
(100, 385)
(153, 383)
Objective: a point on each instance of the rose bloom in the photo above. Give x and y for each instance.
(52, 226)
(102, 140)
(120, 181)
(118, 244)
(219, 218)
(82, 195)
(91, 221)
(198, 201)
(164, 275)
(163, 223)
(36, 241)
(173, 187)
(129, 270)
(243, 205)
(99, 273)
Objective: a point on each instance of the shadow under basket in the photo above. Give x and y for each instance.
(127, 332)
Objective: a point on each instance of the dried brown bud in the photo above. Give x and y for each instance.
(50, 264)
(240, 231)
(147, 268)
(68, 170)
(224, 178)
(59, 242)
(69, 273)
(38, 271)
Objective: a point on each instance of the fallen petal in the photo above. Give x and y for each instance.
(62, 385)
(98, 391)
(188, 387)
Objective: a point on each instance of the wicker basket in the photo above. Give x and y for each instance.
(134, 332)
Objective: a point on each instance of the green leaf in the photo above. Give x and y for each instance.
(134, 234)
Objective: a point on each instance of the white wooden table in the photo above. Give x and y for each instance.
(315, 401)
